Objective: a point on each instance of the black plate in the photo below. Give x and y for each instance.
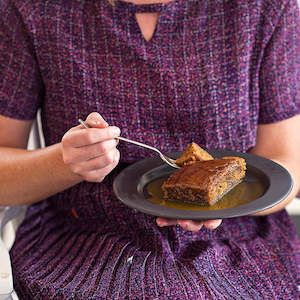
(266, 184)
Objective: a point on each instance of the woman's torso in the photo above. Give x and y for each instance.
(195, 80)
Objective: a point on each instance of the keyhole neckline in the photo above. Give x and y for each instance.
(163, 9)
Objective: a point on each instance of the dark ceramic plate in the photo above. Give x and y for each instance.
(266, 184)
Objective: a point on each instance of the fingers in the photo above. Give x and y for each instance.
(91, 152)
(212, 224)
(161, 222)
(94, 119)
(97, 163)
(189, 225)
(185, 224)
(78, 137)
(96, 173)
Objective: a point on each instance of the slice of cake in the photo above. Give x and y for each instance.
(204, 182)
(191, 154)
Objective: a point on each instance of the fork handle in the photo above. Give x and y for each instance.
(138, 144)
(126, 140)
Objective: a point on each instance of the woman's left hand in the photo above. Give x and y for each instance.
(189, 224)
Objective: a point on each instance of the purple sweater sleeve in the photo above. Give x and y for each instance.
(280, 68)
(20, 82)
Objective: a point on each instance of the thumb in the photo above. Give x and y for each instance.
(95, 120)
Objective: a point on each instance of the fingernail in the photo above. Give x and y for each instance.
(160, 223)
(117, 130)
(98, 123)
(94, 122)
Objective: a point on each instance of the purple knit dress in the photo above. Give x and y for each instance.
(212, 72)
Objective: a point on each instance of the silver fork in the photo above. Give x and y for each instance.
(165, 158)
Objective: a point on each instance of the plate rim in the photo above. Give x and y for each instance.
(274, 172)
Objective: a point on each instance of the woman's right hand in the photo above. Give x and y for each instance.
(91, 153)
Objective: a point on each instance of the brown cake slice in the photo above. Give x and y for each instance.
(204, 183)
(191, 154)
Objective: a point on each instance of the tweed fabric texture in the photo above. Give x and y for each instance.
(212, 72)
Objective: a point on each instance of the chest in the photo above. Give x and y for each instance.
(193, 72)
(195, 50)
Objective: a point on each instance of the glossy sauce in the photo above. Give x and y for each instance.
(243, 193)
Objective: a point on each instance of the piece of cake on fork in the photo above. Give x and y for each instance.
(192, 154)
(203, 182)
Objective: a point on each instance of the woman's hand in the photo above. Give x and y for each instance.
(189, 224)
(91, 153)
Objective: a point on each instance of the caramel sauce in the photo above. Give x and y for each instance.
(243, 193)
